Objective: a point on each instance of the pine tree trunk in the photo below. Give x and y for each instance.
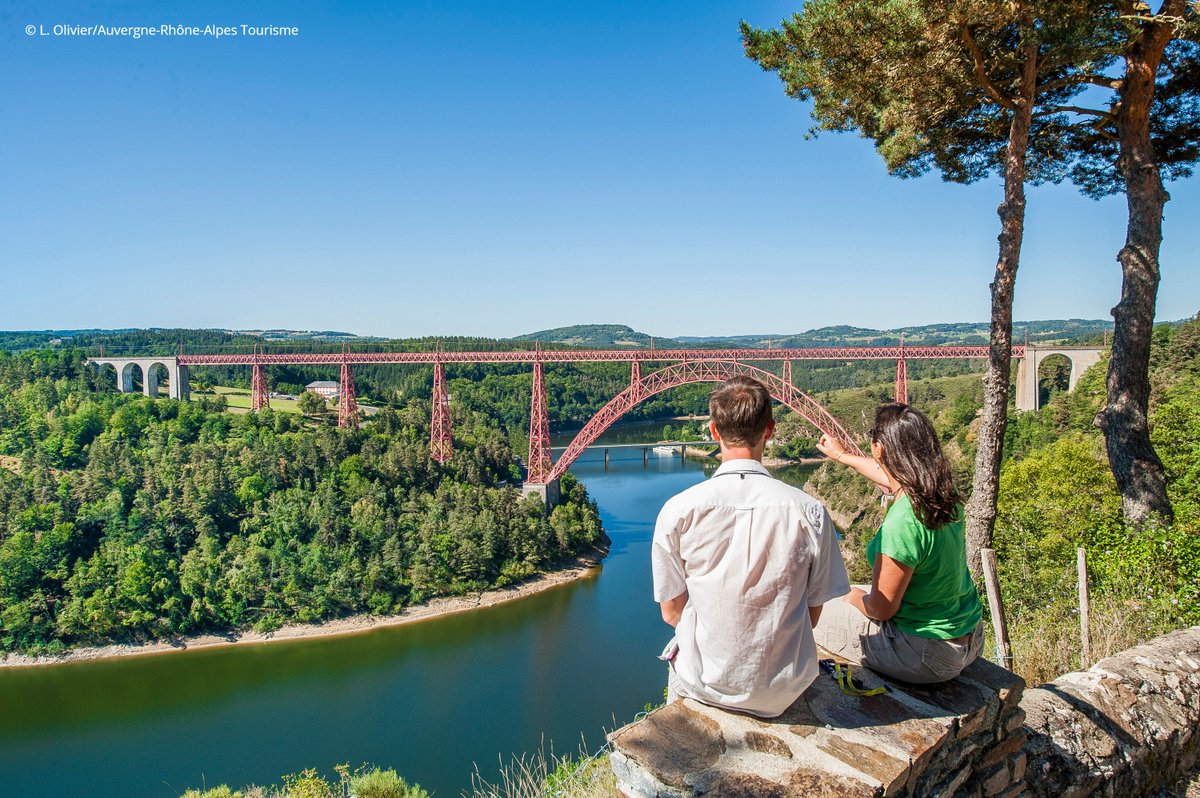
(981, 507)
(1125, 419)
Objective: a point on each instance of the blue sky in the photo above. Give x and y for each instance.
(489, 168)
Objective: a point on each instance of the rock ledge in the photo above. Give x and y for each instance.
(963, 738)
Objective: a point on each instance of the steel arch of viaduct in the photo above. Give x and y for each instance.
(642, 388)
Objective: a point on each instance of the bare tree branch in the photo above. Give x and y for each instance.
(1104, 132)
(981, 71)
(1161, 19)
(1169, 14)
(1116, 84)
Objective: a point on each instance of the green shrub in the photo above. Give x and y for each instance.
(268, 623)
(376, 783)
(307, 784)
(1053, 501)
(216, 792)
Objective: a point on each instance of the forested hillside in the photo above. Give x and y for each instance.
(126, 518)
(617, 336)
(1057, 494)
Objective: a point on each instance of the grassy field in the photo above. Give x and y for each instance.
(238, 399)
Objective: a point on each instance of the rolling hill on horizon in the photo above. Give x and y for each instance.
(586, 336)
(615, 336)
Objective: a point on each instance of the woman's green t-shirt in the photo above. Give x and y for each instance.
(941, 600)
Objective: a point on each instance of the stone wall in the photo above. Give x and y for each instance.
(1124, 727)
(1127, 726)
(960, 739)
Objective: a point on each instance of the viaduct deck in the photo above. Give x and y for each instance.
(594, 356)
(669, 368)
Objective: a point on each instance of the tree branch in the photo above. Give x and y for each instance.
(1098, 127)
(1163, 25)
(1075, 109)
(1116, 84)
(1073, 80)
(981, 72)
(1171, 11)
(1161, 19)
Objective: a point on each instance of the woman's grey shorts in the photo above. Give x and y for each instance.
(889, 651)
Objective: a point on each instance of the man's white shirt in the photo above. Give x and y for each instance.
(753, 555)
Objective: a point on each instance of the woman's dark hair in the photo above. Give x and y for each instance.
(913, 455)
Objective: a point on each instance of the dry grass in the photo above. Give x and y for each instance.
(1128, 607)
(538, 775)
(1047, 643)
(1187, 787)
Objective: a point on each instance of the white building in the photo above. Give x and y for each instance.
(326, 389)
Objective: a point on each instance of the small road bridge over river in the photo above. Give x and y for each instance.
(651, 372)
(661, 447)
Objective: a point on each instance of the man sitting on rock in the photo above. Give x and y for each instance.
(742, 564)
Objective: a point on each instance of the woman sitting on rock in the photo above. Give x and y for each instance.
(919, 620)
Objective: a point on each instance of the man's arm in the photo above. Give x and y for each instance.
(666, 565)
(827, 574)
(672, 609)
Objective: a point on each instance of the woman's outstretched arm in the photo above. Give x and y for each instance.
(888, 583)
(832, 448)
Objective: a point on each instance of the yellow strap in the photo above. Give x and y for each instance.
(846, 682)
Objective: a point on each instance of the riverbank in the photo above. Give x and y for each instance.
(706, 452)
(578, 568)
(780, 462)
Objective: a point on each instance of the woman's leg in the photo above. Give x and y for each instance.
(843, 630)
(891, 652)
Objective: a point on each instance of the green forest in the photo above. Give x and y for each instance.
(1057, 494)
(132, 519)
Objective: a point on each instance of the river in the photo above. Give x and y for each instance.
(429, 699)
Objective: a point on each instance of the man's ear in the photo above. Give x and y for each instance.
(712, 428)
(770, 431)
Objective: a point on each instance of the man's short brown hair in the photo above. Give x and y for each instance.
(741, 410)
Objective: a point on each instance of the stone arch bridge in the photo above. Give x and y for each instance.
(177, 374)
(1028, 392)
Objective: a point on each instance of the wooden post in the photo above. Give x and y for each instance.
(1084, 609)
(996, 605)
(645, 456)
(606, 457)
